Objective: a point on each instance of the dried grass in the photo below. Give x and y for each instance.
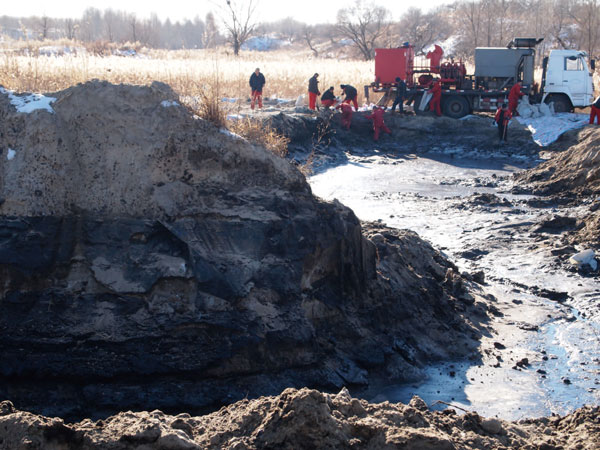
(187, 71)
(261, 133)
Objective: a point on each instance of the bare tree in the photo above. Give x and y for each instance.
(44, 27)
(109, 18)
(423, 30)
(238, 18)
(70, 28)
(309, 36)
(586, 15)
(290, 29)
(211, 32)
(364, 24)
(133, 24)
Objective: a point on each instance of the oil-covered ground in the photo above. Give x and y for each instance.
(544, 354)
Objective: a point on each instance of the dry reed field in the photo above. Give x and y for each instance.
(189, 72)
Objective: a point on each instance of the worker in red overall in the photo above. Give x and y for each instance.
(503, 116)
(346, 114)
(378, 124)
(313, 91)
(436, 100)
(595, 111)
(513, 98)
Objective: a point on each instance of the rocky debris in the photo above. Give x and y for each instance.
(589, 232)
(488, 200)
(555, 225)
(550, 294)
(149, 259)
(305, 419)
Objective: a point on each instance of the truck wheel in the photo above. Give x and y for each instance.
(561, 103)
(456, 107)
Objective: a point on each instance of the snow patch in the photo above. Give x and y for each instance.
(10, 154)
(262, 43)
(29, 103)
(226, 132)
(168, 103)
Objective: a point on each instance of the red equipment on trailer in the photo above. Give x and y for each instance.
(393, 62)
(461, 93)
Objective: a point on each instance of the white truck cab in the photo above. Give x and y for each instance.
(567, 80)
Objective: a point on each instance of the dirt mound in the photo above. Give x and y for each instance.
(148, 259)
(125, 150)
(572, 176)
(573, 172)
(304, 419)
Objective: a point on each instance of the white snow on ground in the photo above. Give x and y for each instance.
(55, 50)
(168, 103)
(234, 117)
(546, 130)
(226, 132)
(29, 103)
(10, 154)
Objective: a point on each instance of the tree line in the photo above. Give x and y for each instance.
(363, 26)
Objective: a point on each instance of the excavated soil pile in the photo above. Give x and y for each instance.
(573, 174)
(575, 171)
(304, 419)
(150, 260)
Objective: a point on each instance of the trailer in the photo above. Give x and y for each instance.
(566, 79)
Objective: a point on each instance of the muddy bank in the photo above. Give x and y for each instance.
(575, 171)
(571, 177)
(149, 260)
(321, 136)
(304, 419)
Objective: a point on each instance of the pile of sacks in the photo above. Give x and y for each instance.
(527, 110)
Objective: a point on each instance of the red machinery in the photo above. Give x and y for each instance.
(393, 62)
(496, 71)
(400, 62)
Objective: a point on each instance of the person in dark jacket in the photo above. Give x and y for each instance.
(595, 111)
(503, 116)
(257, 81)
(328, 98)
(313, 91)
(400, 95)
(351, 95)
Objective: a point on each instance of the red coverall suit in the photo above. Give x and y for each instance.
(435, 103)
(513, 98)
(378, 123)
(595, 111)
(503, 124)
(346, 114)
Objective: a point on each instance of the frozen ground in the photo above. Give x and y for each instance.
(544, 355)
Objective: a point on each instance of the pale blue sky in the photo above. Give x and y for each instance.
(309, 11)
